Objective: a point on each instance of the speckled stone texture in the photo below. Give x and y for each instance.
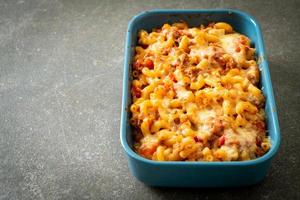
(61, 65)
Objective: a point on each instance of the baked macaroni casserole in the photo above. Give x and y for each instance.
(195, 95)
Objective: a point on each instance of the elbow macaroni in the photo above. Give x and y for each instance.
(195, 95)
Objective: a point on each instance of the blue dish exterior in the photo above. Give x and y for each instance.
(199, 174)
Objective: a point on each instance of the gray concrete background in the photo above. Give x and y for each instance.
(61, 65)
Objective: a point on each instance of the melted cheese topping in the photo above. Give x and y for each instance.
(195, 95)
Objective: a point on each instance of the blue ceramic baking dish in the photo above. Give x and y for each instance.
(199, 174)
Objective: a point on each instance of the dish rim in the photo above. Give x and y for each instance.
(268, 88)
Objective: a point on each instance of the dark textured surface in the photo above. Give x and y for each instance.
(61, 65)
